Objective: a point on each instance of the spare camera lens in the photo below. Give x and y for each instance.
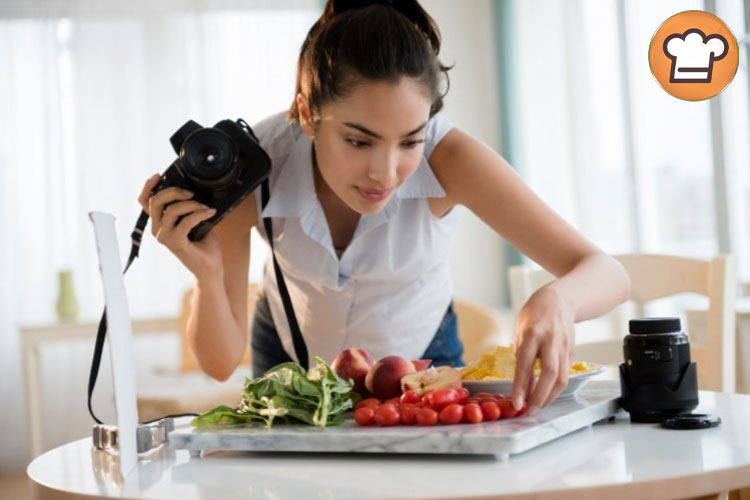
(657, 378)
(209, 158)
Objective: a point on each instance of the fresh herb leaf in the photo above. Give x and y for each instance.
(287, 391)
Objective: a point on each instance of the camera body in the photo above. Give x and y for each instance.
(658, 380)
(220, 165)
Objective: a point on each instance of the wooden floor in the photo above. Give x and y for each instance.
(15, 487)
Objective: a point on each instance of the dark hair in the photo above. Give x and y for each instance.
(361, 40)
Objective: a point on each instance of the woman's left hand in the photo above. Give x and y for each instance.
(545, 330)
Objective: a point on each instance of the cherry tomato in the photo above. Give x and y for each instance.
(442, 398)
(506, 408)
(522, 411)
(410, 397)
(472, 400)
(481, 395)
(487, 400)
(364, 415)
(393, 401)
(451, 414)
(463, 395)
(473, 414)
(387, 415)
(427, 416)
(490, 411)
(371, 402)
(498, 395)
(409, 414)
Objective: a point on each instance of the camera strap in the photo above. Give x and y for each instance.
(299, 343)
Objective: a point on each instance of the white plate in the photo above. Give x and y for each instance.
(575, 382)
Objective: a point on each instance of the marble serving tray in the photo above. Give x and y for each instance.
(596, 401)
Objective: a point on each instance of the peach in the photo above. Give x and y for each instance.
(384, 378)
(353, 364)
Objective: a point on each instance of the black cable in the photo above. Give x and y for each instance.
(175, 415)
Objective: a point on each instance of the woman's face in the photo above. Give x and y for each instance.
(369, 143)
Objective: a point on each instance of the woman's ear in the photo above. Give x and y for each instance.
(305, 118)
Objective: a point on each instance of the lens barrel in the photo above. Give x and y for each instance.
(656, 351)
(209, 159)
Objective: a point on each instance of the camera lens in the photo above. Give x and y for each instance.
(656, 351)
(209, 158)
(657, 379)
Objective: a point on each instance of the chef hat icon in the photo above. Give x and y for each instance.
(693, 55)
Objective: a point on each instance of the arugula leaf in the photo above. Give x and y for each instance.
(223, 415)
(316, 397)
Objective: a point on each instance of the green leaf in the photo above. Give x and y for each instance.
(316, 397)
(221, 415)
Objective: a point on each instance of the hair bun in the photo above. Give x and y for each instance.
(340, 6)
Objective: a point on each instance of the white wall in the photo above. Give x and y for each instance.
(472, 104)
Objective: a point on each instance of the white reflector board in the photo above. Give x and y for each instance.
(120, 337)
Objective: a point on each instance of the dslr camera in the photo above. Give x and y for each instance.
(220, 165)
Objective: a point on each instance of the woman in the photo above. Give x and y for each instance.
(365, 173)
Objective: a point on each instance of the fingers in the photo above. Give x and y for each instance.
(562, 377)
(157, 202)
(172, 234)
(150, 184)
(548, 379)
(531, 384)
(523, 378)
(190, 221)
(176, 210)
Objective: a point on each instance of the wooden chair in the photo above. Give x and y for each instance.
(654, 277)
(190, 390)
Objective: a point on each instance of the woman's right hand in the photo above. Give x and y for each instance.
(202, 258)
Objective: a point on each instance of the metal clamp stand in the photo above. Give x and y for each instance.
(148, 436)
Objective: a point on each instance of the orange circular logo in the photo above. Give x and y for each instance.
(693, 55)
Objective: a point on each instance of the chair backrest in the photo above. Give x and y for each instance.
(188, 361)
(479, 328)
(657, 276)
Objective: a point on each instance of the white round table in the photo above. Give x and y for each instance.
(612, 459)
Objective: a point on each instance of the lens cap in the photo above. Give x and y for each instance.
(691, 421)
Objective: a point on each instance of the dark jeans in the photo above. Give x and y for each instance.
(445, 348)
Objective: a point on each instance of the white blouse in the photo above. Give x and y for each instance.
(391, 287)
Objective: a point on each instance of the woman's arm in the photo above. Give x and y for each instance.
(217, 329)
(589, 283)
